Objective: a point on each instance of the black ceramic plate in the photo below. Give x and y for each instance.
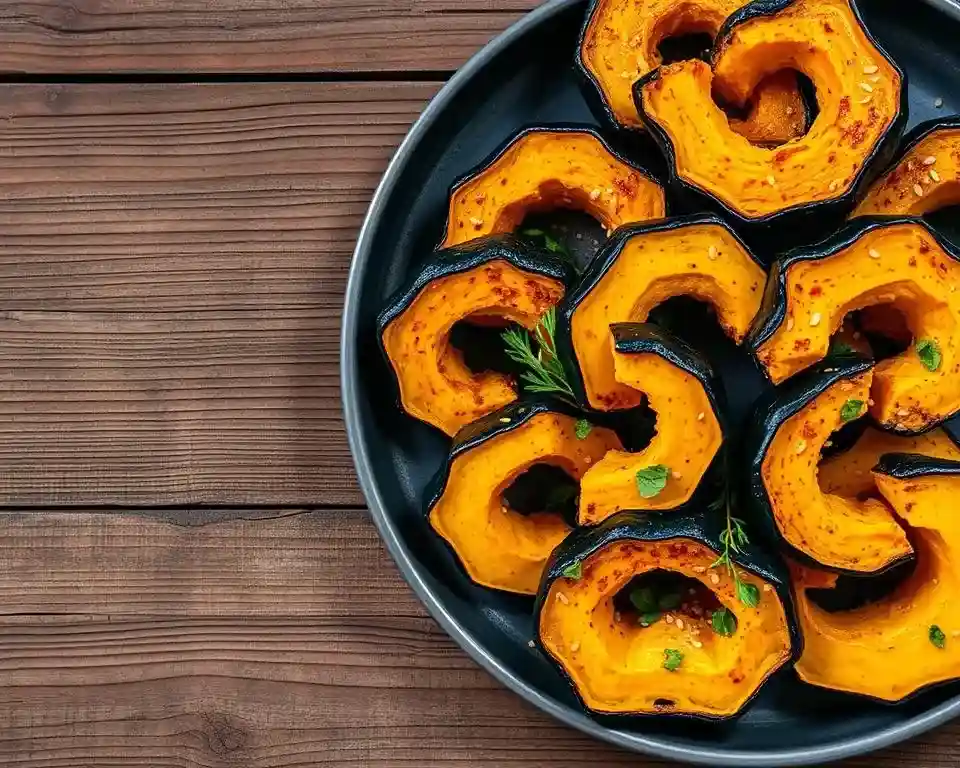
(526, 77)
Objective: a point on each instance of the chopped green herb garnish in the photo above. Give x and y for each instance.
(724, 622)
(937, 637)
(583, 429)
(851, 410)
(672, 659)
(648, 619)
(551, 243)
(734, 539)
(643, 599)
(747, 593)
(573, 571)
(652, 480)
(545, 373)
(929, 353)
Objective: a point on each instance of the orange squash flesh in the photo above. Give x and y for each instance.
(702, 261)
(617, 666)
(687, 439)
(883, 650)
(838, 532)
(498, 547)
(544, 170)
(900, 265)
(621, 42)
(849, 474)
(825, 163)
(435, 384)
(926, 179)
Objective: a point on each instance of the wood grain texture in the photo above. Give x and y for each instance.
(142, 642)
(172, 267)
(162, 36)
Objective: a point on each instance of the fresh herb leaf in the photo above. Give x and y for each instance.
(550, 243)
(851, 410)
(929, 353)
(937, 637)
(672, 659)
(669, 601)
(747, 593)
(583, 429)
(724, 622)
(652, 480)
(573, 571)
(643, 599)
(840, 349)
(648, 619)
(545, 373)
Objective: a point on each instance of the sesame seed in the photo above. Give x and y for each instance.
(697, 644)
(595, 194)
(870, 402)
(562, 598)
(714, 578)
(870, 69)
(504, 420)
(934, 175)
(875, 79)
(713, 252)
(801, 446)
(938, 103)
(866, 87)
(867, 99)
(701, 416)
(834, 184)
(911, 165)
(699, 569)
(874, 253)
(575, 646)
(617, 616)
(918, 190)
(625, 75)
(679, 623)
(767, 588)
(668, 618)
(588, 460)
(929, 160)
(677, 476)
(790, 323)
(815, 319)
(771, 181)
(903, 412)
(531, 644)
(476, 222)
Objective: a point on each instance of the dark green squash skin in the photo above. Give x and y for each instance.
(773, 308)
(702, 525)
(909, 466)
(772, 411)
(464, 258)
(605, 258)
(614, 150)
(782, 227)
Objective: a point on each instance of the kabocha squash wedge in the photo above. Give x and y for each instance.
(817, 177)
(925, 177)
(902, 263)
(680, 389)
(850, 474)
(620, 668)
(908, 640)
(783, 446)
(620, 44)
(549, 168)
(493, 276)
(638, 269)
(497, 546)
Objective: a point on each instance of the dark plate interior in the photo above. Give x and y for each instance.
(527, 78)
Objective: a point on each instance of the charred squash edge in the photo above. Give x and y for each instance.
(598, 268)
(773, 307)
(819, 213)
(485, 164)
(699, 525)
(771, 412)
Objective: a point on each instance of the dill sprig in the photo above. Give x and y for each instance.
(733, 539)
(544, 372)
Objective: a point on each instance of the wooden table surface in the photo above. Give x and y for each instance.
(188, 577)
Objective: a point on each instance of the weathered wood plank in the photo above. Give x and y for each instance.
(172, 267)
(162, 36)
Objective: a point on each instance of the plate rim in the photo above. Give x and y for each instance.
(636, 742)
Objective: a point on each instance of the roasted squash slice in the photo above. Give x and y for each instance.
(549, 168)
(640, 268)
(783, 446)
(617, 666)
(620, 44)
(926, 176)
(497, 546)
(493, 276)
(849, 473)
(902, 263)
(680, 388)
(860, 92)
(907, 641)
